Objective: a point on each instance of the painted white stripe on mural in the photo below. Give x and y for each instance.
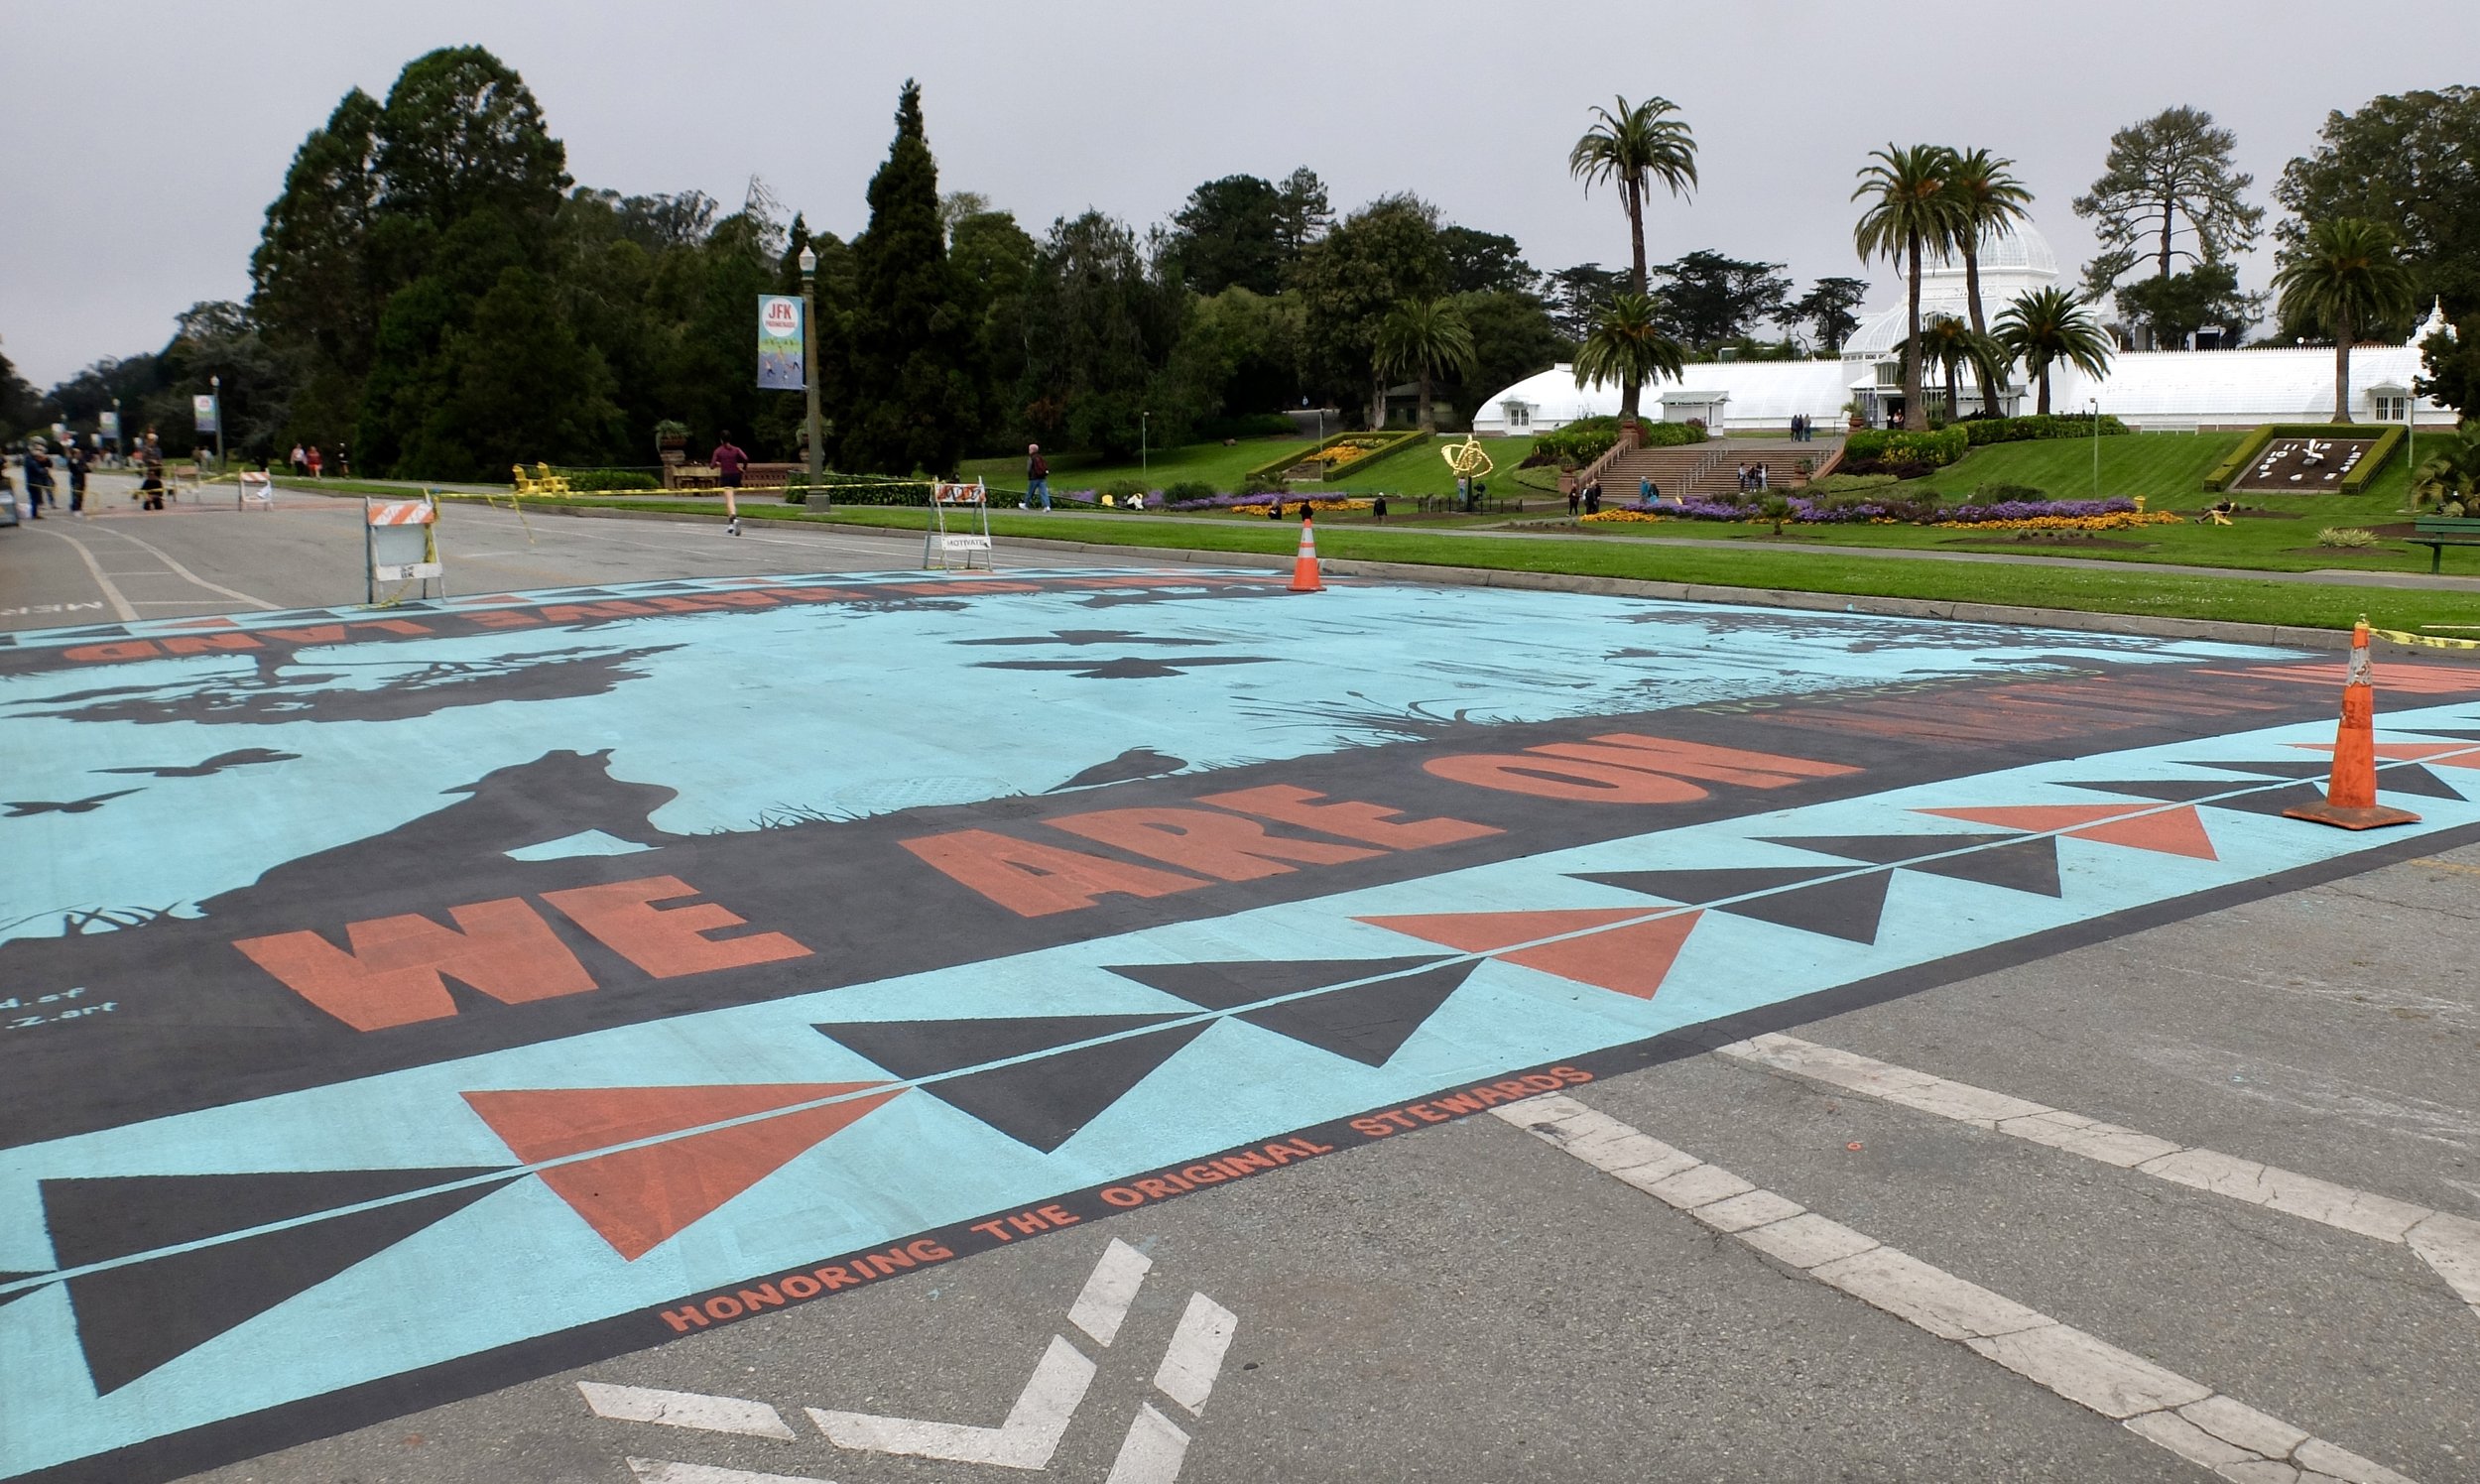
(2449, 1244)
(1026, 1439)
(641, 1404)
(1103, 1304)
(1152, 1452)
(1196, 1357)
(2184, 1415)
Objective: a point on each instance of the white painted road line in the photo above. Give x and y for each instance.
(1152, 1452)
(187, 576)
(657, 1471)
(2187, 1417)
(1196, 1357)
(1026, 1439)
(111, 594)
(2447, 1243)
(640, 1403)
(1112, 1287)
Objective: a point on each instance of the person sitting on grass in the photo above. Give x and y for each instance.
(2219, 512)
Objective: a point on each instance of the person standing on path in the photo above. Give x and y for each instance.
(1037, 477)
(315, 462)
(729, 459)
(38, 463)
(1644, 489)
(76, 482)
(300, 461)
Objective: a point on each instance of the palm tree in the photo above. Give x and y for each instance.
(1990, 200)
(2344, 278)
(2453, 475)
(1421, 337)
(1628, 346)
(1951, 343)
(2049, 326)
(1631, 148)
(1912, 210)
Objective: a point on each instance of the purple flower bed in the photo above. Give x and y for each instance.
(1226, 502)
(2032, 510)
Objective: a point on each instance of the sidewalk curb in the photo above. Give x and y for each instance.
(2282, 636)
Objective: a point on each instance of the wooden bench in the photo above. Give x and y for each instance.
(2436, 533)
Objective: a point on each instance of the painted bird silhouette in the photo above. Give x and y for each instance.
(242, 758)
(19, 809)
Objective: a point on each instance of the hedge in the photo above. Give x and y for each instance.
(605, 481)
(2388, 437)
(1395, 443)
(1985, 430)
(1894, 446)
(1588, 439)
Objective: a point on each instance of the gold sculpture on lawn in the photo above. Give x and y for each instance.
(1467, 460)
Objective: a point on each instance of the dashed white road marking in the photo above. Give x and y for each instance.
(1109, 1290)
(2447, 1243)
(641, 1404)
(1026, 1439)
(657, 1471)
(1152, 1452)
(2184, 1415)
(1186, 1374)
(111, 594)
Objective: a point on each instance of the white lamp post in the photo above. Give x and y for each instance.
(809, 356)
(2095, 403)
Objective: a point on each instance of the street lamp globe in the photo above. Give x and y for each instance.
(808, 262)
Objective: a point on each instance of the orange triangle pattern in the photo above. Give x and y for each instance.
(2465, 754)
(1629, 961)
(2178, 831)
(637, 1198)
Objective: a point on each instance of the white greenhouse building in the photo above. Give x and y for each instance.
(2161, 390)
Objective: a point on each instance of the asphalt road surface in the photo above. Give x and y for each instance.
(748, 1011)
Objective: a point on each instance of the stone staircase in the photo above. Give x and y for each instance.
(1710, 468)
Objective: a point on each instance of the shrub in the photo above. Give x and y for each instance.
(1882, 446)
(1588, 439)
(1674, 435)
(1981, 430)
(2346, 536)
(602, 481)
(1263, 484)
(1996, 493)
(1253, 425)
(1889, 468)
(1120, 489)
(1188, 489)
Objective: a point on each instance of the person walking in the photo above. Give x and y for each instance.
(1378, 508)
(1036, 478)
(1575, 498)
(315, 462)
(76, 482)
(300, 460)
(729, 459)
(1644, 489)
(1593, 498)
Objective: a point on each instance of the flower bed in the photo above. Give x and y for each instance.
(1260, 503)
(2117, 513)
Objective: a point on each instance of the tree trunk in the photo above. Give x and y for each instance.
(2342, 367)
(2045, 389)
(1377, 406)
(1914, 416)
(1428, 422)
(1952, 389)
(1972, 297)
(2170, 219)
(1634, 194)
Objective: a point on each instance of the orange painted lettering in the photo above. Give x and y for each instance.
(1036, 881)
(1222, 846)
(395, 974)
(668, 942)
(1367, 822)
(1561, 777)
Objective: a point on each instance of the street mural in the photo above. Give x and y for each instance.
(397, 1005)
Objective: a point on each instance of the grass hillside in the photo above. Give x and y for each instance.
(2164, 466)
(1414, 471)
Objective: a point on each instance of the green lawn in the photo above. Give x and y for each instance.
(1802, 568)
(1414, 471)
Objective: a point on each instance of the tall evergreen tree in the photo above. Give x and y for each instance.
(313, 294)
(914, 389)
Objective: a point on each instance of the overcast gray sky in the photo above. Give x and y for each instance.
(140, 141)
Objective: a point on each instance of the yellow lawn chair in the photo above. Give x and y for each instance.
(548, 483)
(525, 486)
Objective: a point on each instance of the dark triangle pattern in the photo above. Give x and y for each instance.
(2015, 862)
(134, 1319)
(2414, 778)
(1847, 908)
(2271, 768)
(18, 1292)
(1230, 984)
(2201, 789)
(1040, 1102)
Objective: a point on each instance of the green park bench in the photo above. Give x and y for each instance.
(2438, 532)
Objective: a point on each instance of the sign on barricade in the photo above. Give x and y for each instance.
(400, 542)
(255, 488)
(964, 545)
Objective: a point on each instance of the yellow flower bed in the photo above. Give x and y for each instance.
(2120, 521)
(1343, 453)
(1613, 517)
(1321, 503)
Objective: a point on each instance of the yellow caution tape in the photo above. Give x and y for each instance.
(2430, 640)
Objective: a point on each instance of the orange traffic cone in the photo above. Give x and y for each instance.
(2351, 790)
(1304, 566)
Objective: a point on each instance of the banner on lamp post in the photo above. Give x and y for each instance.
(203, 405)
(779, 343)
(108, 423)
